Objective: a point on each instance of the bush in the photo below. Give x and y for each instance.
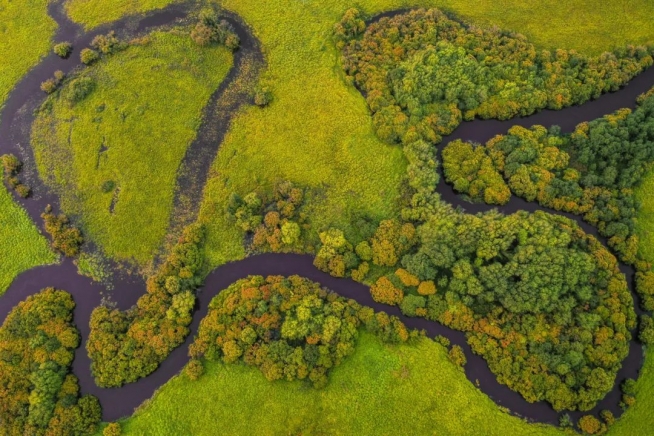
(457, 356)
(88, 56)
(112, 429)
(78, 89)
(66, 238)
(262, 96)
(63, 49)
(108, 44)
(211, 30)
(10, 164)
(590, 425)
(108, 186)
(194, 369)
(23, 190)
(49, 86)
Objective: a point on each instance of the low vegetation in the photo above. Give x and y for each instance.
(39, 396)
(22, 247)
(129, 128)
(26, 38)
(385, 384)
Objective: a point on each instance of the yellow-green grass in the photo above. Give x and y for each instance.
(645, 219)
(380, 389)
(591, 26)
(26, 31)
(25, 37)
(21, 245)
(92, 13)
(132, 130)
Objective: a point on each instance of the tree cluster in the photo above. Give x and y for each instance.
(127, 345)
(38, 395)
(66, 237)
(591, 172)
(288, 327)
(542, 302)
(471, 171)
(12, 166)
(272, 223)
(423, 73)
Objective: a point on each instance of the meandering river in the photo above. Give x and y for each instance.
(15, 123)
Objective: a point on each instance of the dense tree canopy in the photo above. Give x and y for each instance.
(423, 72)
(591, 172)
(38, 396)
(544, 303)
(125, 346)
(289, 328)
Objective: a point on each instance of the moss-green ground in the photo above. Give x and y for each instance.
(380, 389)
(25, 36)
(133, 131)
(21, 245)
(26, 31)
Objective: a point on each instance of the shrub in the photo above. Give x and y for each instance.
(383, 291)
(78, 89)
(66, 238)
(565, 421)
(262, 96)
(63, 49)
(608, 417)
(108, 186)
(211, 30)
(457, 356)
(23, 190)
(10, 164)
(108, 44)
(88, 56)
(49, 86)
(194, 369)
(590, 425)
(112, 429)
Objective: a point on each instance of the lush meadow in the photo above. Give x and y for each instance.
(380, 389)
(113, 156)
(21, 245)
(25, 36)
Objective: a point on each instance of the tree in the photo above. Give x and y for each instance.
(383, 291)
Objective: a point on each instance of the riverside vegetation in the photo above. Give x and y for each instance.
(387, 244)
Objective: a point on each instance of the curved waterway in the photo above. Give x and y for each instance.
(15, 124)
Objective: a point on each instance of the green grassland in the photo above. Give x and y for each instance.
(92, 13)
(25, 36)
(380, 389)
(26, 31)
(123, 144)
(21, 245)
(645, 221)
